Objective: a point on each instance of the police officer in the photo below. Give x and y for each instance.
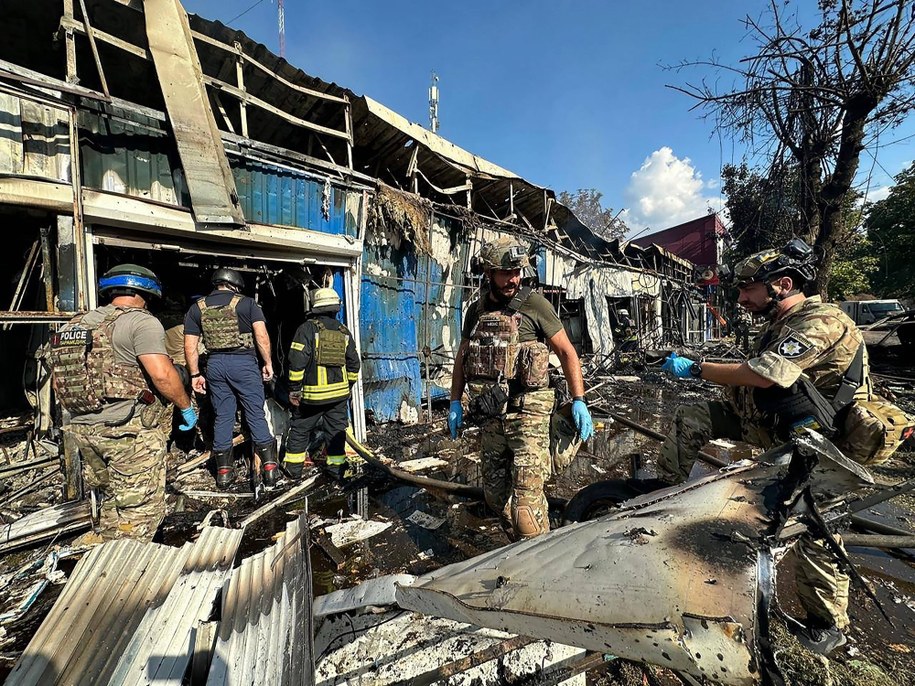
(803, 339)
(323, 366)
(233, 326)
(112, 374)
(503, 360)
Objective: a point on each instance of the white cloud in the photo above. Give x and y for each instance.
(666, 191)
(877, 194)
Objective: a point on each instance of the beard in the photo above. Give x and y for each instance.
(502, 296)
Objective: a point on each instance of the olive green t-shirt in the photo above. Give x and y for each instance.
(539, 320)
(135, 333)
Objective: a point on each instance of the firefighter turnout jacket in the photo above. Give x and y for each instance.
(323, 362)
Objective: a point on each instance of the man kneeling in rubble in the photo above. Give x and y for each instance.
(807, 368)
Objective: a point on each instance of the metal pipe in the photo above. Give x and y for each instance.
(878, 541)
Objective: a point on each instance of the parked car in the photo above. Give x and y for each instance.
(870, 311)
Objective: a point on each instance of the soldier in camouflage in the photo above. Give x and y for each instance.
(803, 337)
(742, 322)
(113, 376)
(503, 362)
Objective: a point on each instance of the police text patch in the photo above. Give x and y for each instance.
(71, 337)
(793, 347)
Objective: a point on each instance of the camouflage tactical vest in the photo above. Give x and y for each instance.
(220, 326)
(86, 370)
(495, 352)
(330, 345)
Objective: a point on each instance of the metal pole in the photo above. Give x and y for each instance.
(427, 346)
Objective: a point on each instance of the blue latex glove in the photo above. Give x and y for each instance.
(678, 366)
(455, 417)
(582, 418)
(189, 416)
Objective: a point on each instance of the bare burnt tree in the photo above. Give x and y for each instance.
(814, 99)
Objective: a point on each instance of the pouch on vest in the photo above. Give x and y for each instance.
(493, 348)
(873, 430)
(800, 406)
(68, 354)
(330, 346)
(490, 401)
(533, 365)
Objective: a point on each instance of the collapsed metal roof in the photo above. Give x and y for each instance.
(127, 614)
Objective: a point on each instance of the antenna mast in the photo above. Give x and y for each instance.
(281, 20)
(433, 104)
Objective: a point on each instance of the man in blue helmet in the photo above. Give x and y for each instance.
(113, 376)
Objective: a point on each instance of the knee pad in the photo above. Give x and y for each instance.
(526, 523)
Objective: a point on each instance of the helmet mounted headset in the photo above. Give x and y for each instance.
(795, 259)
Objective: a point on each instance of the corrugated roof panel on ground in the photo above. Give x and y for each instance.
(264, 634)
(120, 589)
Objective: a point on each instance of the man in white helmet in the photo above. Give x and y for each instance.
(323, 366)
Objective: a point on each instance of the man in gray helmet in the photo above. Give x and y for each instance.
(234, 331)
(113, 376)
(503, 361)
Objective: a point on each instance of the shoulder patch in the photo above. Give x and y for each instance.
(793, 346)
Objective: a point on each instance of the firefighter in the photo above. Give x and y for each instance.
(742, 323)
(626, 332)
(323, 366)
(112, 374)
(807, 347)
(503, 360)
(234, 331)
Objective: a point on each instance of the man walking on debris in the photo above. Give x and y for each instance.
(323, 366)
(743, 320)
(232, 326)
(807, 368)
(112, 373)
(503, 359)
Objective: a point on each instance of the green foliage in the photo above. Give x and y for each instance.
(852, 273)
(586, 205)
(890, 226)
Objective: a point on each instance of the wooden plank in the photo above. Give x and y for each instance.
(75, 26)
(94, 47)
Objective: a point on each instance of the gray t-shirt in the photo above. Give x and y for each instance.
(135, 333)
(539, 321)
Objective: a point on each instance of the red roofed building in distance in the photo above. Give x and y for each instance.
(699, 241)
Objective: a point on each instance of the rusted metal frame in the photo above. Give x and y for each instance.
(257, 102)
(98, 61)
(247, 58)
(240, 80)
(47, 273)
(24, 278)
(80, 247)
(295, 492)
(348, 119)
(69, 41)
(427, 345)
(74, 26)
(222, 111)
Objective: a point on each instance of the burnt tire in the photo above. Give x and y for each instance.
(597, 499)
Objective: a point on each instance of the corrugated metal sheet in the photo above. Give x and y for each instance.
(270, 195)
(265, 635)
(116, 589)
(47, 523)
(34, 139)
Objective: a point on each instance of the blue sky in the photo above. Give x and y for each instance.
(567, 93)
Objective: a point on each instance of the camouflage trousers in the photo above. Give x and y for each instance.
(821, 584)
(515, 462)
(127, 465)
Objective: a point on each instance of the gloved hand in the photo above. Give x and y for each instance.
(190, 419)
(582, 418)
(678, 366)
(455, 417)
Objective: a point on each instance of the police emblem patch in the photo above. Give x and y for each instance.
(792, 347)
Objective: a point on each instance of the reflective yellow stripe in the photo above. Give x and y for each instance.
(328, 392)
(336, 459)
(296, 458)
(297, 346)
(296, 375)
(322, 376)
(352, 376)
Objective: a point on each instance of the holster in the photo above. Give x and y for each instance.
(491, 402)
(801, 405)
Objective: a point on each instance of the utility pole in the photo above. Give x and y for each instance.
(433, 104)
(281, 20)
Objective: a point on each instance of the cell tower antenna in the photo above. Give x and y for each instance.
(281, 20)
(433, 103)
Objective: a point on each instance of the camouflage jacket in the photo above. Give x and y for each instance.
(813, 338)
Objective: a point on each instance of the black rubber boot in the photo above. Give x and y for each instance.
(294, 470)
(225, 468)
(270, 468)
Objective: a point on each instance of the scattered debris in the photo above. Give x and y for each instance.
(355, 530)
(424, 520)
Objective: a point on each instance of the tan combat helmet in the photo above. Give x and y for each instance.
(325, 300)
(796, 256)
(504, 252)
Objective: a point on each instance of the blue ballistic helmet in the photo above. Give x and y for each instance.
(130, 279)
